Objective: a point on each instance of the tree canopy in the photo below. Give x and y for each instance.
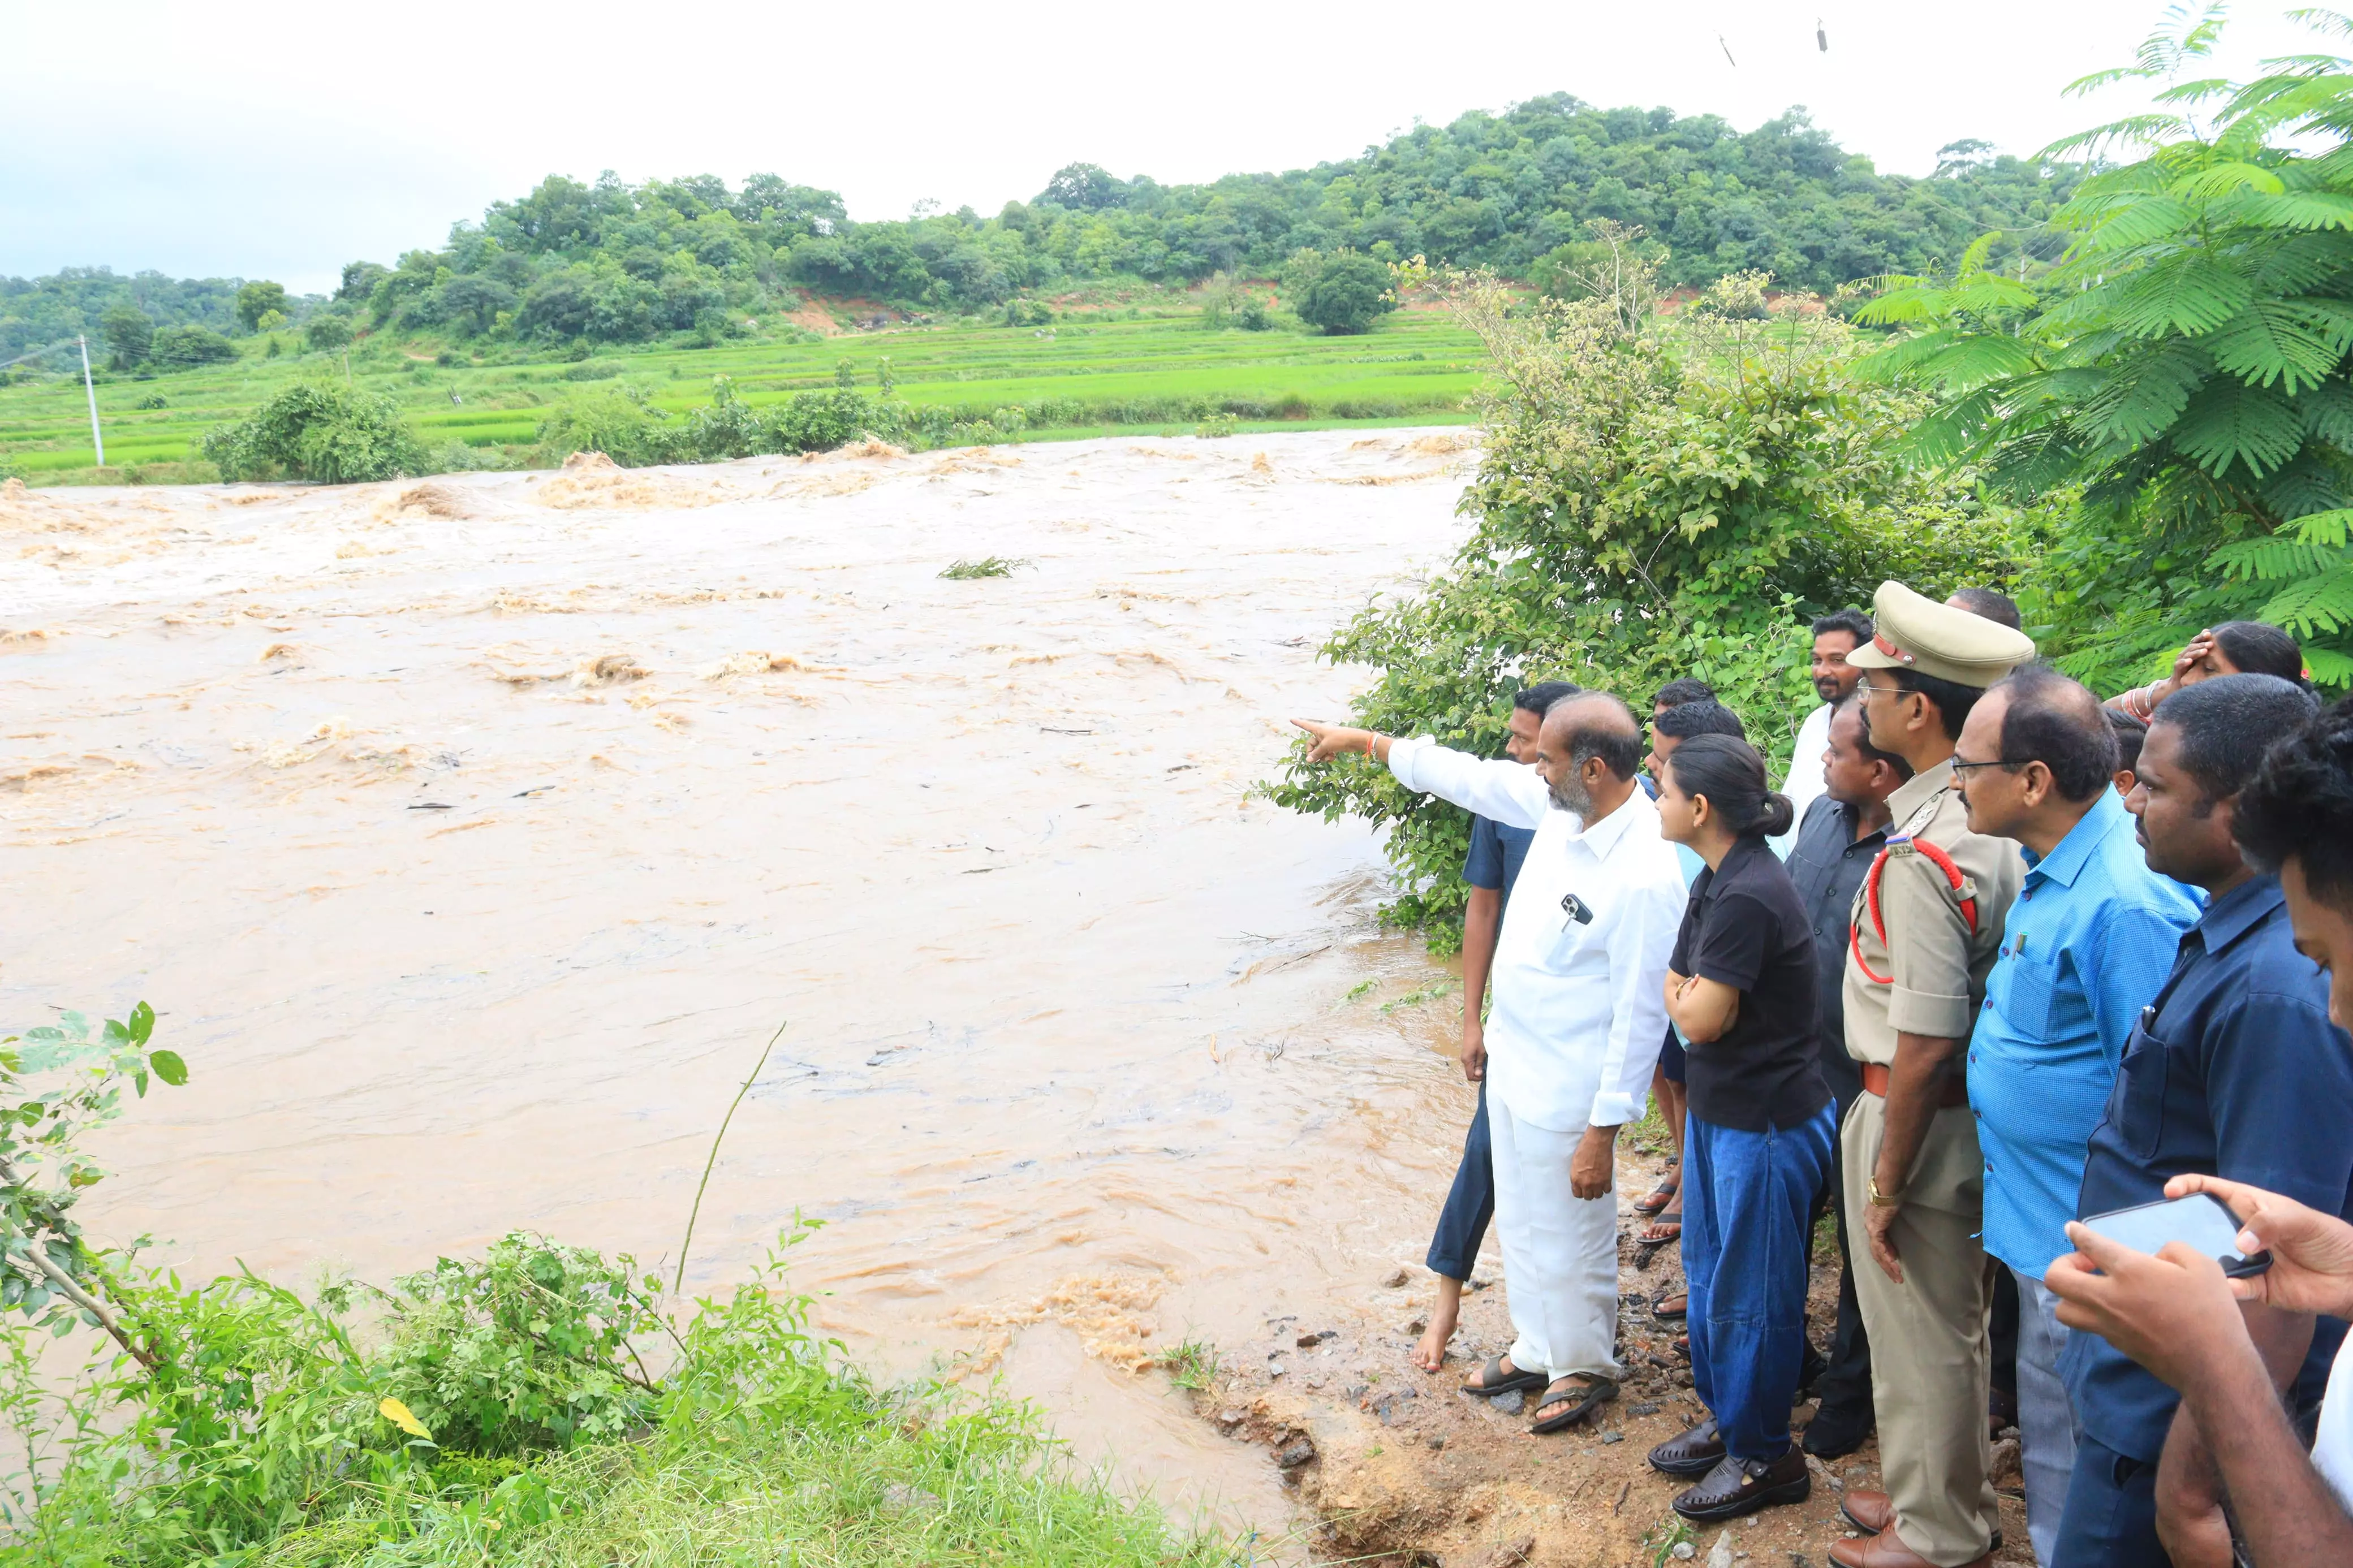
(2183, 368)
(608, 261)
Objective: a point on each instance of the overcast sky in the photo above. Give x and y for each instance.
(265, 140)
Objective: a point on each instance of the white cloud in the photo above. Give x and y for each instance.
(273, 139)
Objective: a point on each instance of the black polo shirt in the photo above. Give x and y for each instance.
(1828, 864)
(2235, 1071)
(1745, 928)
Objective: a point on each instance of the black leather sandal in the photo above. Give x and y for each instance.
(1581, 1402)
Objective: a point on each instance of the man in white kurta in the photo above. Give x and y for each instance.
(1579, 1014)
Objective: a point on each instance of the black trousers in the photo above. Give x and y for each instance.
(1846, 1386)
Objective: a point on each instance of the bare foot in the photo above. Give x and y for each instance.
(1429, 1354)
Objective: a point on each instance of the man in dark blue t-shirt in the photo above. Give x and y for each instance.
(2234, 1070)
(1490, 869)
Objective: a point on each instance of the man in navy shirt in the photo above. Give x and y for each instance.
(1490, 868)
(1844, 831)
(2234, 1070)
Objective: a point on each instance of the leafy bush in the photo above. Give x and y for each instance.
(1647, 508)
(181, 348)
(1344, 292)
(622, 424)
(320, 431)
(528, 1348)
(728, 428)
(821, 421)
(458, 458)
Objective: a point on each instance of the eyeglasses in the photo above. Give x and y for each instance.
(1962, 768)
(1868, 690)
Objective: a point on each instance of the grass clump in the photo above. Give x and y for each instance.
(271, 1436)
(987, 566)
(1192, 1364)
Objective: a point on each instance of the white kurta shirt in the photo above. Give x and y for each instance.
(1805, 780)
(2332, 1449)
(1579, 1008)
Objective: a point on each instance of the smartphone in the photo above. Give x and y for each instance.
(2202, 1220)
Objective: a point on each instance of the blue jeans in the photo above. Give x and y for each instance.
(1747, 1197)
(1470, 1204)
(2110, 1521)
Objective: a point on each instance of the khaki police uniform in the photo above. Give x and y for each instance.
(1930, 1350)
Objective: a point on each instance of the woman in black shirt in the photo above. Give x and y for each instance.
(1758, 1143)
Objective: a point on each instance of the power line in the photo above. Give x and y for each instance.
(20, 359)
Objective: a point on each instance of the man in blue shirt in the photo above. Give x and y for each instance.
(2232, 1070)
(1490, 868)
(2088, 942)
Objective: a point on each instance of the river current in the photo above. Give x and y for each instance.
(470, 836)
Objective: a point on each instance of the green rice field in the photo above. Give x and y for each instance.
(1087, 374)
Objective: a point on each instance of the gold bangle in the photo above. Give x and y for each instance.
(1880, 1200)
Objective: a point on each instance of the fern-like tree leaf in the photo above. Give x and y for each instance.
(2193, 291)
(2144, 395)
(2230, 424)
(2294, 342)
(2315, 604)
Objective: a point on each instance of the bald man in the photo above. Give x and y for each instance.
(1580, 1010)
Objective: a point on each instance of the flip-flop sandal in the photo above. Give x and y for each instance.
(1658, 1306)
(1660, 1196)
(1495, 1380)
(1663, 1231)
(1682, 1346)
(1581, 1402)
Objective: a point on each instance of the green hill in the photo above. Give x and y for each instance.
(613, 263)
(687, 278)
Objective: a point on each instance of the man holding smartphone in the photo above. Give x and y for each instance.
(2234, 1070)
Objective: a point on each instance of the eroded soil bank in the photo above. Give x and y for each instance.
(1397, 1466)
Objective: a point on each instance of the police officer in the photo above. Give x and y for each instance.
(1926, 927)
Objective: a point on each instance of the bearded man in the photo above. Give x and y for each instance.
(1579, 1011)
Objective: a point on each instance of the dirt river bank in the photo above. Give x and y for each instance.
(469, 835)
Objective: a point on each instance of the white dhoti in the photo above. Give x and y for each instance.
(1560, 1251)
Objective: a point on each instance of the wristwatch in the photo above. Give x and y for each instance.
(1880, 1200)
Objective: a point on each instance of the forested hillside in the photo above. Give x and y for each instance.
(613, 263)
(35, 312)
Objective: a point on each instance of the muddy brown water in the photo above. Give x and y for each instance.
(470, 836)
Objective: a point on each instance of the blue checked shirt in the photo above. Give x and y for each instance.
(2087, 945)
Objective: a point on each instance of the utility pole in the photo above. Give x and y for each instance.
(90, 387)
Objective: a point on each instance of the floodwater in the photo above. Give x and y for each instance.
(470, 837)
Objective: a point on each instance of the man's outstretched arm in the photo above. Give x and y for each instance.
(1338, 739)
(1510, 793)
